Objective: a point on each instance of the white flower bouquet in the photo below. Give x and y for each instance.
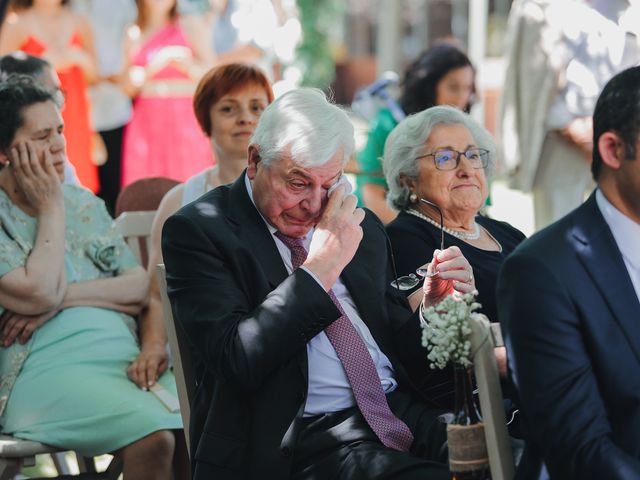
(445, 330)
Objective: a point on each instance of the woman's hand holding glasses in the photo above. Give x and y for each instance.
(448, 272)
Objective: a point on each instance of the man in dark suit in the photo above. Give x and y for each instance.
(569, 304)
(286, 341)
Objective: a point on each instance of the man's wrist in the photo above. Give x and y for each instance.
(325, 276)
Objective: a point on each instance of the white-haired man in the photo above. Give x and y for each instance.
(284, 292)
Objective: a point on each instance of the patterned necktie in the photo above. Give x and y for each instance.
(359, 367)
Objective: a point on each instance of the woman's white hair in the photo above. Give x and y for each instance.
(305, 125)
(407, 140)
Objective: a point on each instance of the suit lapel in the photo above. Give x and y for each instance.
(253, 231)
(358, 283)
(598, 252)
(369, 301)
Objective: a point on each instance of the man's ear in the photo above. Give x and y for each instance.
(254, 160)
(611, 150)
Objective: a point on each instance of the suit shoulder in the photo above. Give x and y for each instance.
(549, 244)
(212, 205)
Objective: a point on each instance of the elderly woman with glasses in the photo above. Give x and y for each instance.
(436, 163)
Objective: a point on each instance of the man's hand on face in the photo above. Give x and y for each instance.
(336, 237)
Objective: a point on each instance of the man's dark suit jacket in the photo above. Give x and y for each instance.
(249, 323)
(571, 320)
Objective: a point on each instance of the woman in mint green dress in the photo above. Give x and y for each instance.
(68, 288)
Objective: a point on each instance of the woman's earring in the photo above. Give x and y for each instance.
(413, 198)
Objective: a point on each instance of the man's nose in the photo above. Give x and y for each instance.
(314, 201)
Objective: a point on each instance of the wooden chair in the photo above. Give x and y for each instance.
(490, 393)
(135, 227)
(143, 195)
(16, 453)
(182, 360)
(135, 208)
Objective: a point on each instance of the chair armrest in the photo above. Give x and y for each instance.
(491, 404)
(496, 334)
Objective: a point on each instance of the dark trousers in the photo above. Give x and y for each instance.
(341, 445)
(109, 173)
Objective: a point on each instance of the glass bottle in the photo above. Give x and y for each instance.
(468, 458)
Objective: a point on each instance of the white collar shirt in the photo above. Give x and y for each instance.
(626, 233)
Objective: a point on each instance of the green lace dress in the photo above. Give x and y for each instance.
(68, 385)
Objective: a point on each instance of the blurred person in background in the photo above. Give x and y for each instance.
(214, 19)
(50, 28)
(227, 103)
(165, 64)
(442, 75)
(110, 105)
(560, 55)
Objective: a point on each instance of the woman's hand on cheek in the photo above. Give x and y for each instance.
(37, 180)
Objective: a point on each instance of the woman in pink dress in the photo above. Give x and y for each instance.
(163, 137)
(50, 29)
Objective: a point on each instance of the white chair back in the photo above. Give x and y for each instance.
(182, 360)
(135, 227)
(491, 404)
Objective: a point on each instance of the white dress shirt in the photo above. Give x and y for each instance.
(329, 389)
(626, 233)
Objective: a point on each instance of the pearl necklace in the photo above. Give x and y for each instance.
(456, 233)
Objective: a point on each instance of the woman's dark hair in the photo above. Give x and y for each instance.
(422, 77)
(618, 110)
(29, 3)
(16, 93)
(23, 64)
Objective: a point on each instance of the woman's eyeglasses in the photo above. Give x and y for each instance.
(449, 159)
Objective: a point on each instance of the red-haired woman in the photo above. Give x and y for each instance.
(227, 103)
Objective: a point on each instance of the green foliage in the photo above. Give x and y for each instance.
(314, 54)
